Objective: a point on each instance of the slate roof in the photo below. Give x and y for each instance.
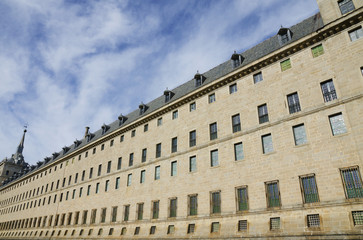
(264, 48)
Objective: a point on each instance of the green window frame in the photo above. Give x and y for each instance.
(286, 64)
(352, 182)
(272, 194)
(317, 50)
(242, 198)
(309, 188)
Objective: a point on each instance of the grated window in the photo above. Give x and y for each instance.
(191, 228)
(357, 217)
(274, 223)
(171, 229)
(313, 220)
(215, 227)
(242, 225)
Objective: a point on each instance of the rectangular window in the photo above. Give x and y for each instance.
(274, 223)
(146, 127)
(192, 138)
(119, 163)
(337, 124)
(267, 146)
(143, 155)
(122, 138)
(317, 50)
(172, 207)
(106, 185)
(238, 151)
(97, 187)
(142, 176)
(129, 178)
(299, 134)
(192, 107)
(140, 211)
(236, 123)
(257, 77)
(309, 189)
(313, 220)
(74, 193)
(80, 192)
(193, 164)
(155, 210)
(293, 102)
(158, 150)
(88, 190)
(213, 131)
(328, 90)
(131, 159)
(232, 88)
(160, 121)
(262, 114)
(242, 225)
(76, 218)
(103, 215)
(215, 202)
(93, 216)
(214, 158)
(84, 220)
(117, 184)
(212, 98)
(102, 147)
(152, 230)
(157, 173)
(171, 229)
(133, 133)
(356, 34)
(99, 170)
(174, 144)
(109, 167)
(272, 194)
(352, 182)
(286, 64)
(191, 228)
(126, 212)
(193, 205)
(357, 218)
(123, 231)
(111, 143)
(242, 198)
(83, 176)
(173, 168)
(346, 6)
(215, 227)
(175, 114)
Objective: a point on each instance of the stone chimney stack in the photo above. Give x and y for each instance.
(86, 132)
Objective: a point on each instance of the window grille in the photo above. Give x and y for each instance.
(171, 229)
(242, 225)
(357, 218)
(193, 205)
(140, 211)
(328, 90)
(262, 114)
(155, 209)
(313, 220)
(273, 195)
(236, 123)
(309, 189)
(274, 223)
(191, 228)
(137, 231)
(346, 6)
(215, 227)
(294, 103)
(317, 50)
(216, 202)
(242, 199)
(213, 131)
(352, 182)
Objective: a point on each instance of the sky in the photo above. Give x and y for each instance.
(68, 64)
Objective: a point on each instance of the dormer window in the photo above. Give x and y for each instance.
(237, 59)
(77, 143)
(47, 159)
(168, 95)
(105, 128)
(65, 149)
(89, 136)
(122, 119)
(284, 35)
(142, 108)
(199, 79)
(55, 155)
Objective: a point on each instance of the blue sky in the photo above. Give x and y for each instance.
(65, 65)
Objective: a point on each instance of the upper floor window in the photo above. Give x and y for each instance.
(143, 156)
(328, 90)
(293, 102)
(257, 77)
(199, 79)
(129, 179)
(175, 114)
(131, 159)
(213, 131)
(309, 189)
(168, 95)
(346, 6)
(242, 198)
(212, 98)
(284, 35)
(299, 134)
(236, 123)
(157, 173)
(192, 107)
(158, 150)
(159, 122)
(142, 176)
(352, 182)
(146, 127)
(174, 144)
(356, 34)
(192, 138)
(122, 119)
(172, 207)
(317, 50)
(238, 151)
(337, 124)
(267, 146)
(215, 202)
(193, 164)
(214, 158)
(133, 133)
(286, 64)
(233, 88)
(237, 59)
(173, 171)
(272, 194)
(142, 108)
(262, 113)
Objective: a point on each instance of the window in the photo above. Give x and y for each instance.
(133, 133)
(192, 138)
(215, 202)
(272, 194)
(102, 147)
(106, 185)
(328, 90)
(238, 151)
(152, 230)
(174, 144)
(357, 218)
(262, 113)
(267, 146)
(236, 123)
(361, 70)
(122, 138)
(83, 176)
(172, 207)
(99, 170)
(212, 98)
(140, 211)
(80, 192)
(129, 178)
(232, 88)
(191, 228)
(131, 159)
(193, 164)
(84, 220)
(123, 231)
(285, 64)
(313, 220)
(97, 187)
(146, 127)
(157, 173)
(110, 232)
(293, 102)
(175, 114)
(94, 151)
(111, 143)
(299, 134)
(88, 190)
(213, 131)
(284, 35)
(274, 223)
(215, 227)
(309, 189)
(155, 209)
(356, 34)
(257, 77)
(158, 150)
(160, 121)
(317, 50)
(337, 124)
(109, 167)
(173, 168)
(171, 229)
(242, 225)
(193, 205)
(192, 107)
(346, 6)
(143, 155)
(117, 184)
(103, 215)
(214, 158)
(352, 182)
(142, 176)
(242, 198)
(126, 212)
(119, 161)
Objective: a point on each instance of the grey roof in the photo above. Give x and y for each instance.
(268, 46)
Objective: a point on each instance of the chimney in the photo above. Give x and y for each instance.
(86, 133)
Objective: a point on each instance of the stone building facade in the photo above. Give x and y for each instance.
(266, 145)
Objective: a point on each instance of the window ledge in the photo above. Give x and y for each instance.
(270, 153)
(302, 145)
(341, 135)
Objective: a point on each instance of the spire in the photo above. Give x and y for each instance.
(18, 157)
(21, 144)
